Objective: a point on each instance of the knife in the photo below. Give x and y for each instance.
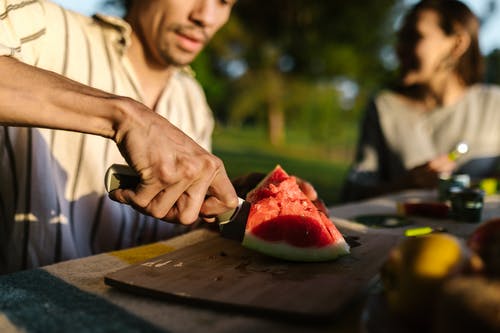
(232, 224)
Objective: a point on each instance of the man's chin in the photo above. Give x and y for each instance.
(180, 60)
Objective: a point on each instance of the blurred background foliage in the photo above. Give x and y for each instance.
(297, 64)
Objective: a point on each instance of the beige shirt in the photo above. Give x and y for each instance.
(53, 204)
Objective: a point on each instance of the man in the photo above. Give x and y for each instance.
(62, 102)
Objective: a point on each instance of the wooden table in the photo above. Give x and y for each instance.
(72, 297)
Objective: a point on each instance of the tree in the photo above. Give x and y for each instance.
(293, 53)
(493, 67)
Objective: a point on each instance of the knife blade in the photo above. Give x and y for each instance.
(232, 224)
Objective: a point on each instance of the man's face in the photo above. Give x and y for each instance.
(175, 31)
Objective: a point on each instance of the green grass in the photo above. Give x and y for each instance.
(247, 150)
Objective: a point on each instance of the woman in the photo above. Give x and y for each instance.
(408, 132)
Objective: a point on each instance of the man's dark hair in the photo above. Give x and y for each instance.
(127, 4)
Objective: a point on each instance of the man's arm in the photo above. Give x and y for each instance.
(179, 179)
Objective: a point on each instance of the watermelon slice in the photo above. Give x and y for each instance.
(284, 223)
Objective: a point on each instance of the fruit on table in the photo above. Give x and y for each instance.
(416, 269)
(284, 223)
(485, 241)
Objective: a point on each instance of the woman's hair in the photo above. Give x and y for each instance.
(453, 15)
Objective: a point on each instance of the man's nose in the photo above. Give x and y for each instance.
(204, 12)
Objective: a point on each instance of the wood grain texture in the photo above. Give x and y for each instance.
(220, 272)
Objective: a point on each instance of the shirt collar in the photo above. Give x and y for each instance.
(123, 31)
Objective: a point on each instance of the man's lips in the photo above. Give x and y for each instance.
(190, 42)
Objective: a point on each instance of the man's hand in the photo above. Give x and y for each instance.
(180, 181)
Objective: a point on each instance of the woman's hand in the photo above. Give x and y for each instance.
(427, 175)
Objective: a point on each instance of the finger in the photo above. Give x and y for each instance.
(160, 205)
(167, 201)
(213, 207)
(128, 196)
(444, 167)
(222, 190)
(117, 195)
(308, 189)
(141, 196)
(321, 206)
(209, 219)
(185, 215)
(187, 208)
(190, 203)
(442, 163)
(123, 197)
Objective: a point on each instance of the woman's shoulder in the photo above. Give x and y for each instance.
(482, 98)
(484, 90)
(388, 96)
(388, 101)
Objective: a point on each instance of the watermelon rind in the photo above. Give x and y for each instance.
(283, 250)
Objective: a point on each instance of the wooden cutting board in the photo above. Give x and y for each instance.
(220, 272)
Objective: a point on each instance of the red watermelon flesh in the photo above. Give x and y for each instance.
(263, 189)
(284, 223)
